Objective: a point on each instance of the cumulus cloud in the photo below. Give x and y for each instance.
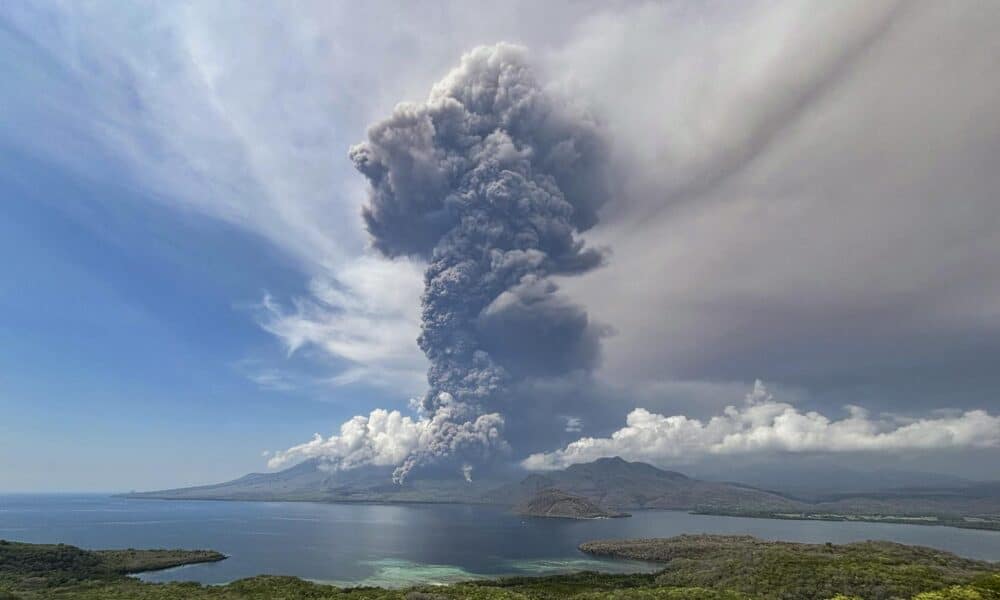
(381, 438)
(389, 438)
(764, 425)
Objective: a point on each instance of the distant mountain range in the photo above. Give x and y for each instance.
(611, 483)
(311, 480)
(811, 478)
(616, 483)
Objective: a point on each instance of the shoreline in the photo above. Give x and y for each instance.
(710, 567)
(924, 520)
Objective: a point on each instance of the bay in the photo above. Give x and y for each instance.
(399, 545)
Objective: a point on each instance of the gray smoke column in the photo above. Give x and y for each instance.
(490, 181)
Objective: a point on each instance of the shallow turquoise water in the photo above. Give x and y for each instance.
(394, 545)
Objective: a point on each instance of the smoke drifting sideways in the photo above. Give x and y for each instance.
(490, 181)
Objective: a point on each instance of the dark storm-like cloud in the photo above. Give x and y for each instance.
(807, 195)
(490, 181)
(825, 212)
(534, 331)
(488, 129)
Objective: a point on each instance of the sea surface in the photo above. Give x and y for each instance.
(399, 545)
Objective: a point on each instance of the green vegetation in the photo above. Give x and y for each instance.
(35, 570)
(763, 569)
(137, 561)
(946, 520)
(695, 568)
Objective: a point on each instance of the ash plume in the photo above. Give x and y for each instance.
(490, 181)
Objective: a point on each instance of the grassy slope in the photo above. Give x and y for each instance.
(800, 571)
(696, 567)
(37, 570)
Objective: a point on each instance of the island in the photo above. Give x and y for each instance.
(695, 567)
(555, 503)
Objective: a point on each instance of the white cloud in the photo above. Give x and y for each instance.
(367, 315)
(273, 380)
(246, 119)
(388, 438)
(382, 438)
(764, 425)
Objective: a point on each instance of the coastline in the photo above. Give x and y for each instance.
(925, 520)
(707, 567)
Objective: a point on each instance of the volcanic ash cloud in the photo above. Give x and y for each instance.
(489, 181)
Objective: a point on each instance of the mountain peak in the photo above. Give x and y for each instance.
(617, 464)
(611, 460)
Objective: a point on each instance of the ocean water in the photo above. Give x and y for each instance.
(398, 545)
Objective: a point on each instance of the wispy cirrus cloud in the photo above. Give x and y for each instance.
(248, 125)
(573, 425)
(367, 316)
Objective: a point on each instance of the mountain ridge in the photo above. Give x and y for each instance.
(610, 482)
(613, 484)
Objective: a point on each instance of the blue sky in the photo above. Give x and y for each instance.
(129, 337)
(179, 201)
(131, 341)
(187, 281)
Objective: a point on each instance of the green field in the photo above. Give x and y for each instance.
(694, 567)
